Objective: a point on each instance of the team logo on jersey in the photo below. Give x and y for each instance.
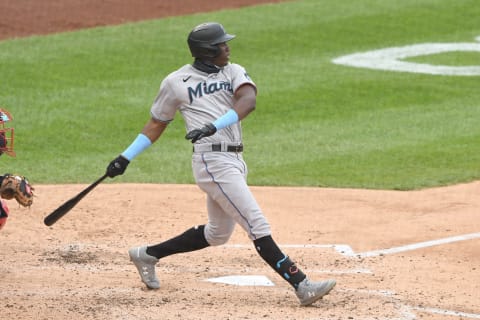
(202, 88)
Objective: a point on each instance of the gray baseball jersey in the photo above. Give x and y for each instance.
(201, 98)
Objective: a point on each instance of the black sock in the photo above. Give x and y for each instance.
(191, 240)
(271, 253)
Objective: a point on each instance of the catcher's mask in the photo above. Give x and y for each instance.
(6, 134)
(204, 39)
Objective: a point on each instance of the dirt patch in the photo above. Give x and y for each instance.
(395, 255)
(79, 267)
(20, 18)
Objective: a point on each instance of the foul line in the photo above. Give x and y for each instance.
(418, 245)
(408, 311)
(448, 312)
(346, 250)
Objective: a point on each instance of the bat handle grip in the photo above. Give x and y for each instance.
(101, 178)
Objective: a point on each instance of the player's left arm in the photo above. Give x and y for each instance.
(245, 100)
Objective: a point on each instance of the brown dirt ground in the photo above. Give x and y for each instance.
(79, 269)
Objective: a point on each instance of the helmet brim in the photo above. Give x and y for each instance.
(224, 38)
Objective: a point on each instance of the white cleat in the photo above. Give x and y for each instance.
(145, 264)
(308, 292)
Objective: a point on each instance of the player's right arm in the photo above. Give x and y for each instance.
(164, 107)
(152, 130)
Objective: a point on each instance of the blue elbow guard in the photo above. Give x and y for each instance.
(141, 143)
(227, 119)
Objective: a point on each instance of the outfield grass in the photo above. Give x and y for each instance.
(80, 98)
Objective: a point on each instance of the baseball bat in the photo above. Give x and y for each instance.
(68, 205)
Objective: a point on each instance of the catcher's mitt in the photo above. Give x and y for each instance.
(18, 187)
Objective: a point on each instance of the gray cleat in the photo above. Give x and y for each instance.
(145, 264)
(308, 292)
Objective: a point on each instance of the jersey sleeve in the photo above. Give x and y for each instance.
(166, 103)
(240, 77)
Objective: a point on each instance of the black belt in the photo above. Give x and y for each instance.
(235, 148)
(218, 147)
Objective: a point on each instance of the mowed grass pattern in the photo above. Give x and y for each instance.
(80, 98)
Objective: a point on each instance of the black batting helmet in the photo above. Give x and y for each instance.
(204, 38)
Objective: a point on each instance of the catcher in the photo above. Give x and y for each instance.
(11, 186)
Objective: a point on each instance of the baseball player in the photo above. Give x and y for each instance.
(11, 186)
(213, 95)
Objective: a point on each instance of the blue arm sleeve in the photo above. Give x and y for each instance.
(141, 143)
(227, 119)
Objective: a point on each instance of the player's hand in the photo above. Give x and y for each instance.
(117, 166)
(197, 134)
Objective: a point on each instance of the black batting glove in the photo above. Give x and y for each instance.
(117, 166)
(197, 134)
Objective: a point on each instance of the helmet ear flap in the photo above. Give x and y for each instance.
(206, 52)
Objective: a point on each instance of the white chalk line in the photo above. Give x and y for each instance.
(419, 245)
(349, 271)
(404, 311)
(346, 250)
(448, 312)
(394, 59)
(407, 311)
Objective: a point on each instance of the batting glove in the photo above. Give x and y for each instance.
(117, 166)
(198, 134)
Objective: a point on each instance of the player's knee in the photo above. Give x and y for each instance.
(260, 229)
(218, 234)
(216, 237)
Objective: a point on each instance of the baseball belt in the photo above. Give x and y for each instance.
(218, 147)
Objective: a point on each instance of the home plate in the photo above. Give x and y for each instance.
(243, 280)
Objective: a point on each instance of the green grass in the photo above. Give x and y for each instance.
(80, 98)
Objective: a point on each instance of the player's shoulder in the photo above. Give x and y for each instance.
(179, 75)
(238, 72)
(234, 70)
(179, 72)
(234, 66)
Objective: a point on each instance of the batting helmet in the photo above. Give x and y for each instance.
(203, 40)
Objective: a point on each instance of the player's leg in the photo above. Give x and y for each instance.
(233, 195)
(242, 206)
(220, 226)
(146, 257)
(223, 178)
(216, 232)
(307, 291)
(229, 189)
